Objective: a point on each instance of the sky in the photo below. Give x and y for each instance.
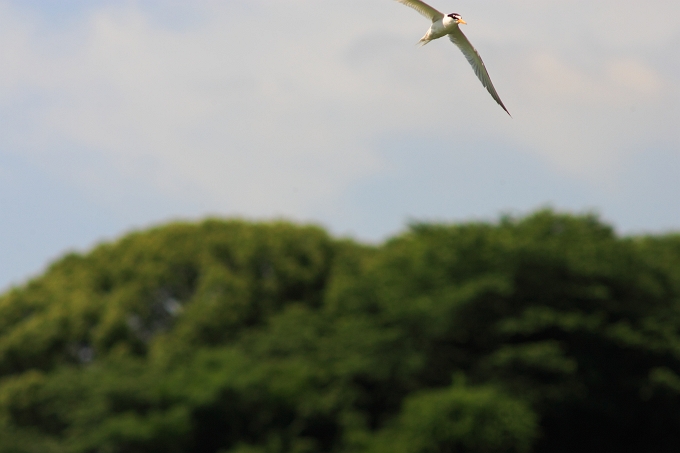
(119, 115)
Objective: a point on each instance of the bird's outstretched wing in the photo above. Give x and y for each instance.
(423, 8)
(459, 39)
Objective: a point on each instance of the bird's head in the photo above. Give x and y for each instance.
(457, 18)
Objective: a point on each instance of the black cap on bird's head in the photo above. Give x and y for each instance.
(457, 18)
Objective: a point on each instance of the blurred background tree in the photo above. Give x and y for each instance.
(547, 333)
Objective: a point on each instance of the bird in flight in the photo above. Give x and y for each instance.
(443, 25)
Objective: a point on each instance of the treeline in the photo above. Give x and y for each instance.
(541, 334)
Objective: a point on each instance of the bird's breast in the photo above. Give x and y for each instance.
(442, 27)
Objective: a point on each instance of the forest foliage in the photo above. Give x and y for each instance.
(548, 333)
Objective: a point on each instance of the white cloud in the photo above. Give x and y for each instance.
(273, 107)
(636, 79)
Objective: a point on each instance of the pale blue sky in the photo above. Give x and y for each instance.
(117, 115)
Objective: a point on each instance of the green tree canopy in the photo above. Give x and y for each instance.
(548, 333)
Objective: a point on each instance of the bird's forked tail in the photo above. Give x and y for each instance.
(425, 39)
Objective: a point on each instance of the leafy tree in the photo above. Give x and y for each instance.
(228, 336)
(459, 419)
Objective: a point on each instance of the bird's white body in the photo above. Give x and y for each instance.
(438, 29)
(448, 25)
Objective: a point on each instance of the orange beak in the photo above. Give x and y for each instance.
(461, 21)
